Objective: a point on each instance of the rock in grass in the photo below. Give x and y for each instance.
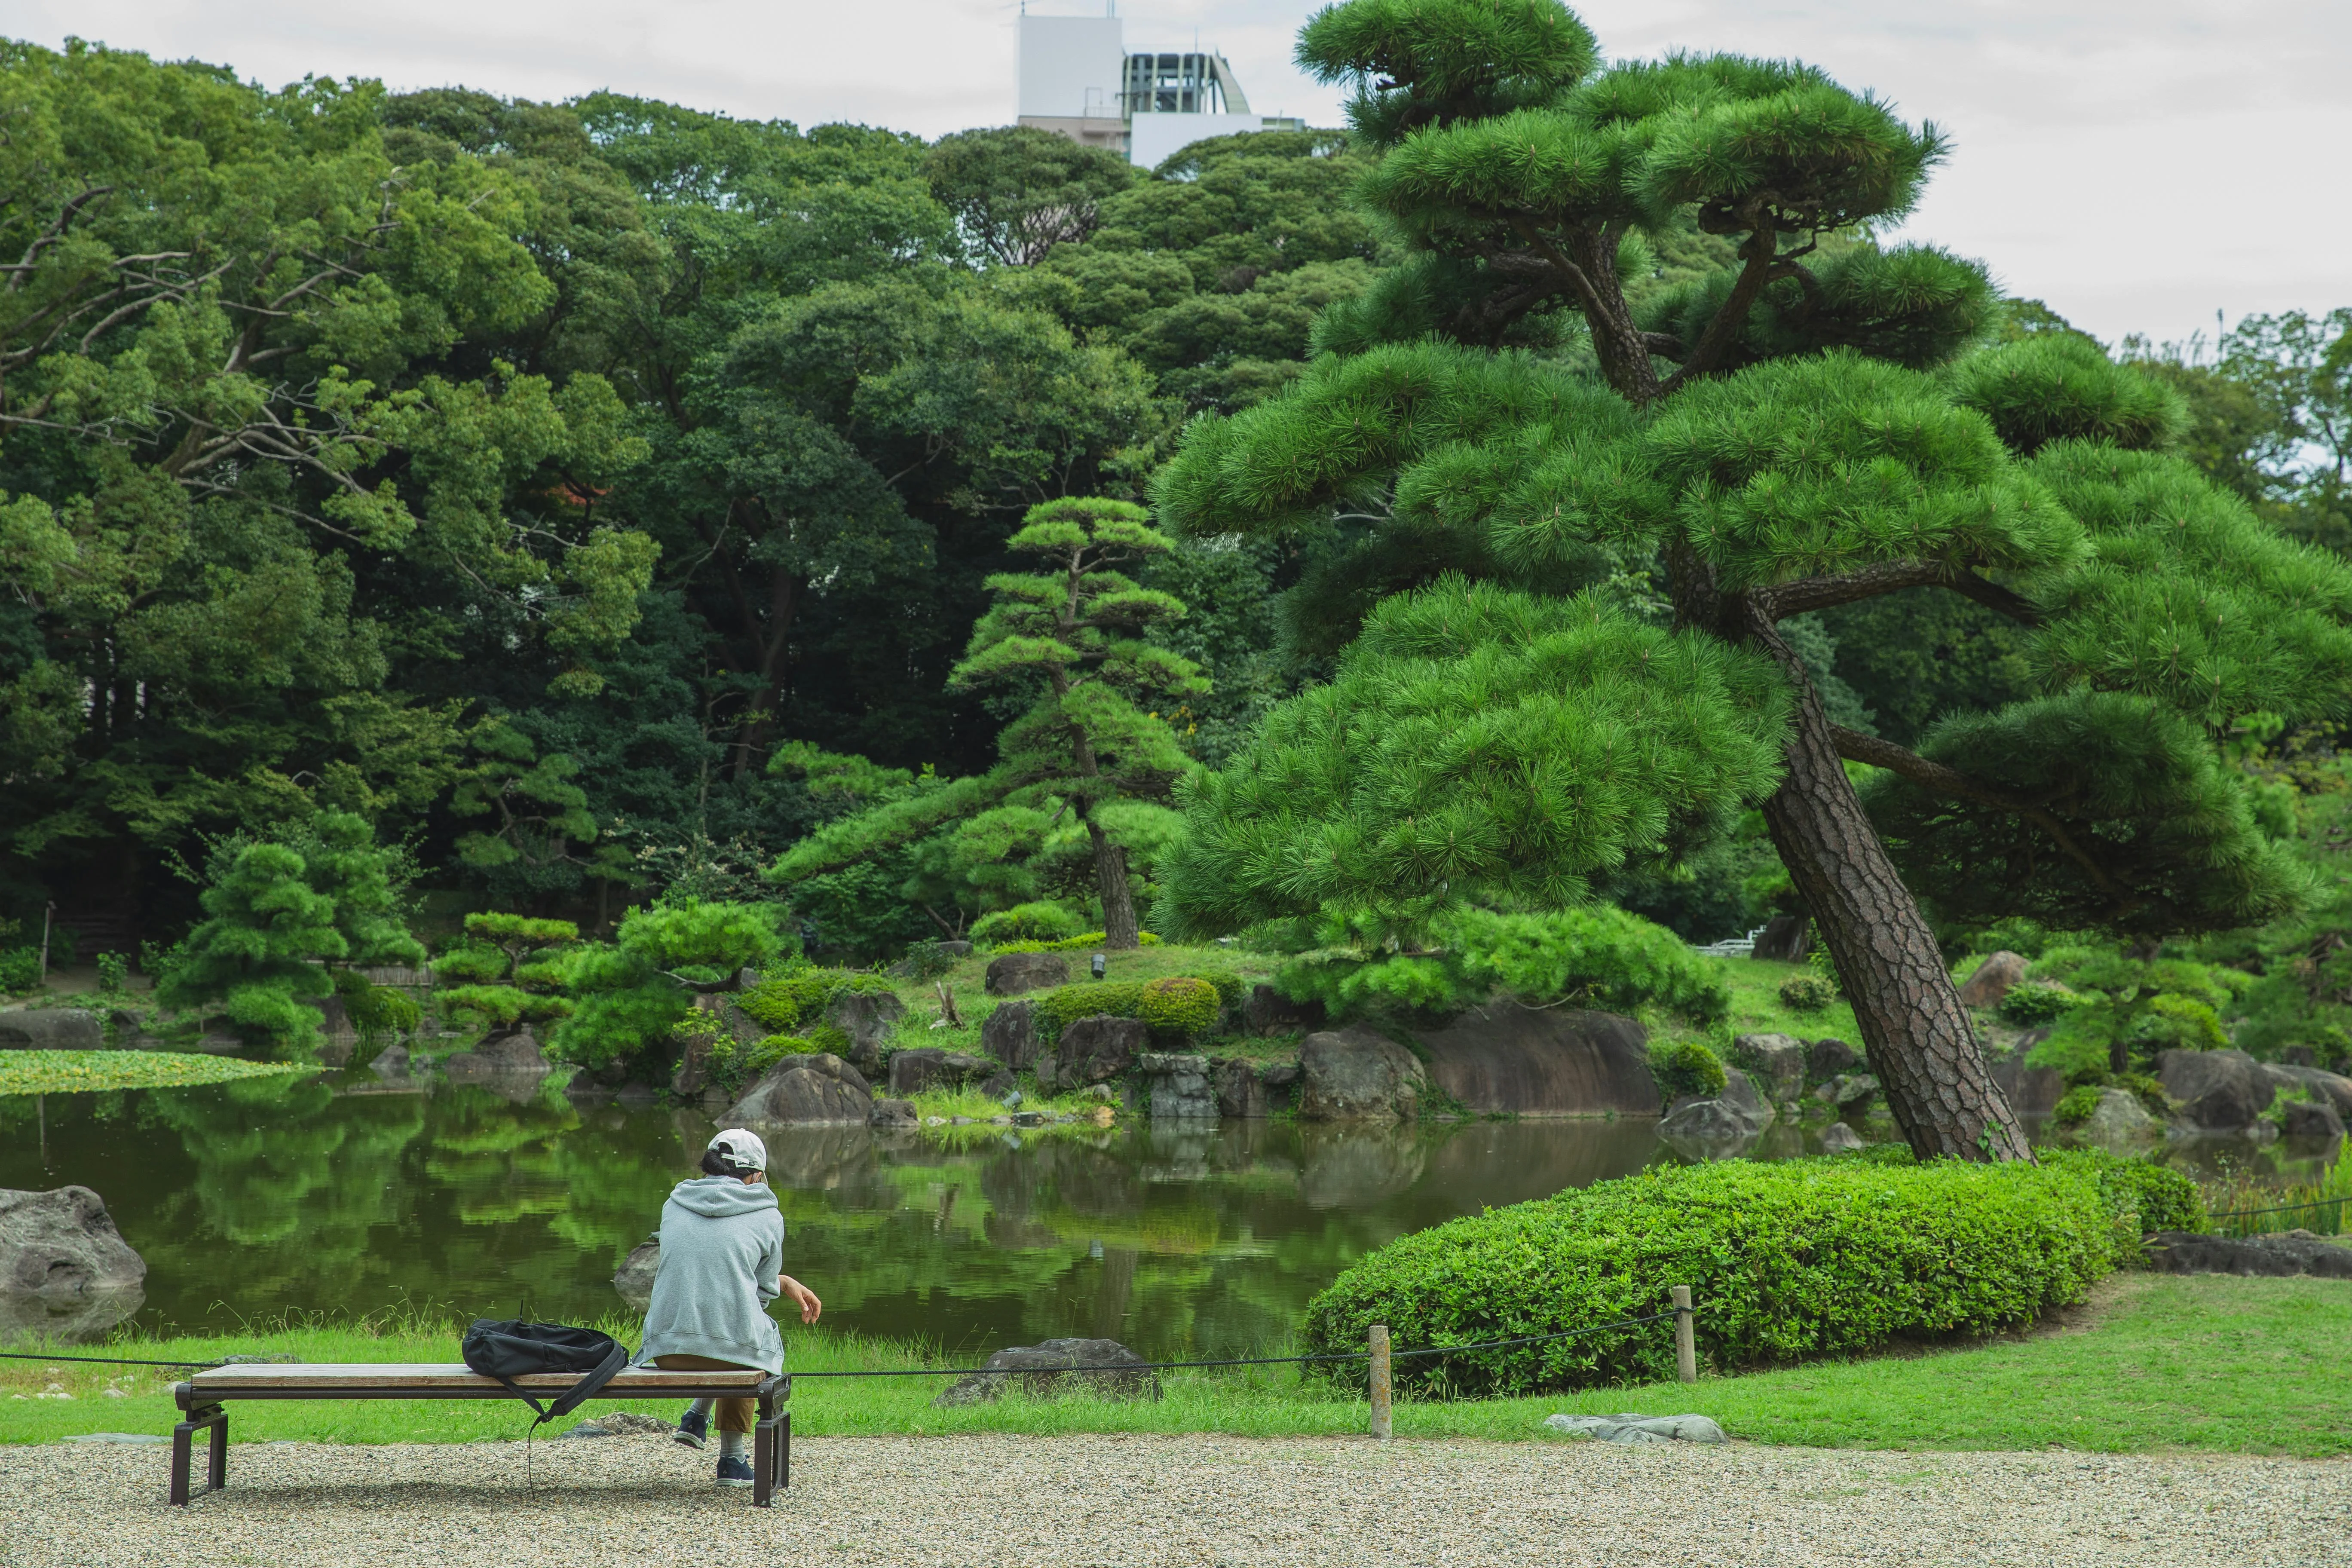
(1042, 1369)
(1014, 973)
(1639, 1428)
(1993, 980)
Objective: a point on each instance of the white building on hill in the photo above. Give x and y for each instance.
(1077, 78)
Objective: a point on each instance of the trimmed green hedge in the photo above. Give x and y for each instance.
(786, 1002)
(1787, 1262)
(1066, 1005)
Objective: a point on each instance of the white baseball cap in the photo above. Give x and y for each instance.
(741, 1149)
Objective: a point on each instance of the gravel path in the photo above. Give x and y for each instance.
(1255, 1503)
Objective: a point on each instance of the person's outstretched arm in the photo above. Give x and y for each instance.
(799, 1296)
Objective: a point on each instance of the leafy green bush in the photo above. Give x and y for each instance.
(1807, 993)
(2076, 1106)
(381, 1010)
(789, 1000)
(20, 969)
(472, 962)
(113, 973)
(2141, 1194)
(2034, 1003)
(1056, 1009)
(1786, 1261)
(927, 959)
(1687, 1070)
(1597, 956)
(1178, 1006)
(1039, 921)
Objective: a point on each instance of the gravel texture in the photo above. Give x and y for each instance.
(1044, 1501)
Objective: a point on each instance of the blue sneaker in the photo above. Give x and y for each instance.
(735, 1472)
(693, 1428)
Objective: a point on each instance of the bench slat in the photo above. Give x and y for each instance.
(451, 1375)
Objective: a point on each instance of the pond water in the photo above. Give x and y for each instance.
(255, 1198)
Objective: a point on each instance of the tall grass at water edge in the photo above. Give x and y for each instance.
(2245, 1203)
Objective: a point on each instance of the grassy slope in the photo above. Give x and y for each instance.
(2210, 1363)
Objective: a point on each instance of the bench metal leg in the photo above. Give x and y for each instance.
(215, 1419)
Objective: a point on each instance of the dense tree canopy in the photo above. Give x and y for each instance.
(608, 502)
(1808, 428)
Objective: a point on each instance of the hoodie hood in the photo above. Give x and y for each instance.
(722, 1197)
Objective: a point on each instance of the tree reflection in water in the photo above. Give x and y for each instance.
(348, 1196)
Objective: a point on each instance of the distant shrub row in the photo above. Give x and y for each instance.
(1787, 1261)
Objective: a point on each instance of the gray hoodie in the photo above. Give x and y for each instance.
(722, 1247)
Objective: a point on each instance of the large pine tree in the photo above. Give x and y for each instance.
(1811, 426)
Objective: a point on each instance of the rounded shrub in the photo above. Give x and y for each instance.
(1179, 1006)
(2076, 1106)
(1786, 1261)
(2034, 1003)
(1685, 1069)
(1806, 992)
(1040, 922)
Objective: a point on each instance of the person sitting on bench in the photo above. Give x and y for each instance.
(722, 1256)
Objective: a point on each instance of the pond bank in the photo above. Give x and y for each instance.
(1039, 1503)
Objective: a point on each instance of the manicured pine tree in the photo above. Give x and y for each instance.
(1068, 632)
(1804, 429)
(255, 957)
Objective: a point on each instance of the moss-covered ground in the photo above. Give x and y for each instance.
(2153, 1363)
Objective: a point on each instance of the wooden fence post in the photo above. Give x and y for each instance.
(1685, 1347)
(1381, 1427)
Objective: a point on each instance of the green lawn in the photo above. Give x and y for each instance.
(73, 1072)
(2208, 1363)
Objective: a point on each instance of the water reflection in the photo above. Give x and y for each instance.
(362, 1192)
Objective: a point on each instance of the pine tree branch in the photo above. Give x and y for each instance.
(1763, 256)
(1855, 746)
(1806, 593)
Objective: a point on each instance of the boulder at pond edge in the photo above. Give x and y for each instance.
(1010, 1035)
(634, 1278)
(65, 1270)
(1503, 1057)
(50, 1029)
(818, 1087)
(1357, 1075)
(1097, 1049)
(2220, 1091)
(934, 1066)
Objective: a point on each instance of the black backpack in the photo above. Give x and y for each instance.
(513, 1349)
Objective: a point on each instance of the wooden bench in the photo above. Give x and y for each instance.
(204, 1401)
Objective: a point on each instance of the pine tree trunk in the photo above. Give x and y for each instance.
(1920, 1042)
(1119, 928)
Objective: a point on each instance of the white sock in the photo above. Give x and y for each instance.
(732, 1445)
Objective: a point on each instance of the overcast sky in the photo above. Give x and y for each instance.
(2139, 165)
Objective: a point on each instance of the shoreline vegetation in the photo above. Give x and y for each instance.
(2150, 1363)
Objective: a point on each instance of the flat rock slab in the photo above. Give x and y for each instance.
(2272, 1256)
(1537, 1061)
(1639, 1428)
(1298, 1502)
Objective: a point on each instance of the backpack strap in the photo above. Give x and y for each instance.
(587, 1387)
